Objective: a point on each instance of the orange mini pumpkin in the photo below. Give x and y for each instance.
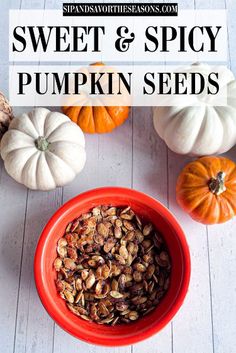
(206, 189)
(98, 119)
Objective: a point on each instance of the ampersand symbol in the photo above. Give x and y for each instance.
(122, 43)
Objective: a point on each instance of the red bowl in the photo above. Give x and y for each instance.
(45, 275)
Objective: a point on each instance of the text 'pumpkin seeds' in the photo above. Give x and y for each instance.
(111, 269)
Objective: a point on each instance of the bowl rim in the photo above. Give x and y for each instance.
(152, 203)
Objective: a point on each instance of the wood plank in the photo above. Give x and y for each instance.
(34, 329)
(149, 156)
(103, 167)
(115, 166)
(192, 326)
(150, 176)
(62, 341)
(109, 163)
(4, 24)
(13, 201)
(222, 245)
(231, 13)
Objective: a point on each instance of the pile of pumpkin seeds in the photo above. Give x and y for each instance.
(111, 269)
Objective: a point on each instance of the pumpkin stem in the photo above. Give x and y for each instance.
(42, 143)
(216, 185)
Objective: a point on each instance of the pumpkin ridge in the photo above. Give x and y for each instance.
(198, 188)
(112, 118)
(175, 122)
(8, 158)
(30, 116)
(106, 118)
(74, 143)
(53, 132)
(83, 123)
(230, 115)
(55, 151)
(201, 127)
(54, 154)
(73, 113)
(208, 169)
(199, 181)
(23, 132)
(216, 166)
(49, 168)
(28, 162)
(205, 215)
(91, 120)
(203, 124)
(232, 206)
(222, 128)
(44, 124)
(229, 207)
(200, 165)
(20, 148)
(63, 123)
(230, 175)
(17, 149)
(190, 210)
(113, 114)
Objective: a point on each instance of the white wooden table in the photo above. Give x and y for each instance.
(132, 156)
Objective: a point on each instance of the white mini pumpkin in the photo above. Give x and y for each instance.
(201, 129)
(43, 149)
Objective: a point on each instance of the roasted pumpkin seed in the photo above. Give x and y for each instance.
(111, 269)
